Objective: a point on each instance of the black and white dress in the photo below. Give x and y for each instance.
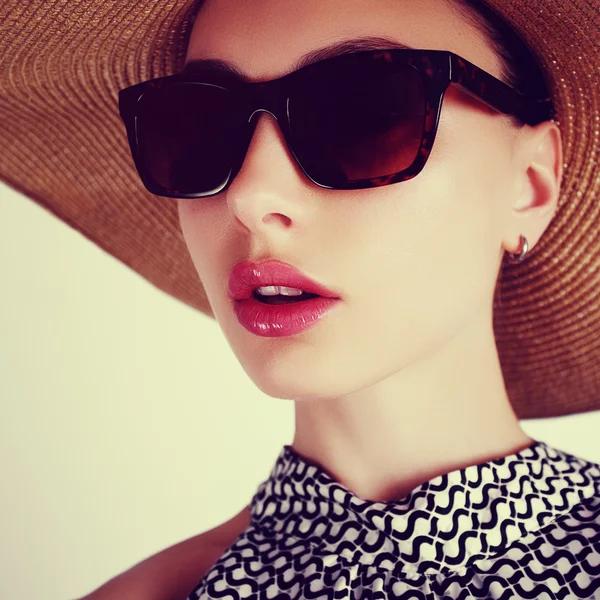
(523, 526)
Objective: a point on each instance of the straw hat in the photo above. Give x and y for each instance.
(62, 63)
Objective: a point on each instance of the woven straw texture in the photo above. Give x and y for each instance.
(62, 63)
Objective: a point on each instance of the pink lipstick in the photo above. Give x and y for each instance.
(290, 315)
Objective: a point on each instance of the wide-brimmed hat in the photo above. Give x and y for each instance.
(63, 62)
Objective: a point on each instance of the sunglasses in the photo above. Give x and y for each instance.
(354, 121)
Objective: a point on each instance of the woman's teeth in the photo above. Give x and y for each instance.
(276, 290)
(278, 294)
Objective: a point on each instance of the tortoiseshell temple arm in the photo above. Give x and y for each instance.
(497, 94)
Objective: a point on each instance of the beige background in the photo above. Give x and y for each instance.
(126, 422)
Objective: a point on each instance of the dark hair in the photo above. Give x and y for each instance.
(521, 68)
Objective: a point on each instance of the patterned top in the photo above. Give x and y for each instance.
(523, 526)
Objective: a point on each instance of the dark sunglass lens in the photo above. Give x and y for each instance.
(359, 123)
(182, 136)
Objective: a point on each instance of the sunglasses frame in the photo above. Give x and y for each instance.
(438, 70)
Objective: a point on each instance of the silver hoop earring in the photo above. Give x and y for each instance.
(519, 257)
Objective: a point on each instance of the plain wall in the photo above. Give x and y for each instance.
(126, 422)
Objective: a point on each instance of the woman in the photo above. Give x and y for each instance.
(385, 214)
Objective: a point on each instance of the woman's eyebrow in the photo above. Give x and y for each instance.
(335, 49)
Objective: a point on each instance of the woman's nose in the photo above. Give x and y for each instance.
(269, 181)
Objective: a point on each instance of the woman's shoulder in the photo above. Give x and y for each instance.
(172, 573)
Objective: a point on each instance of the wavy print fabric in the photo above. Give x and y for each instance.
(526, 525)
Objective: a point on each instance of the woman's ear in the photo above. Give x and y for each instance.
(539, 163)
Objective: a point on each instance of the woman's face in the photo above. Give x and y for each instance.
(414, 262)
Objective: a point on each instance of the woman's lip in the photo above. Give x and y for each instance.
(280, 320)
(245, 277)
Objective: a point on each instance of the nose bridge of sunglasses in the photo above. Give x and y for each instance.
(282, 139)
(258, 112)
(265, 96)
(259, 98)
(261, 110)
